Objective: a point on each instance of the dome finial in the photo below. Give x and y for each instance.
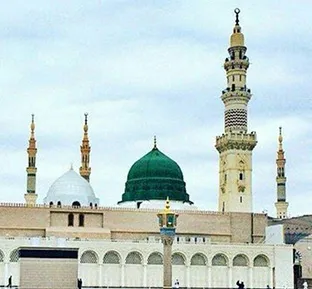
(155, 143)
(280, 138)
(32, 125)
(237, 11)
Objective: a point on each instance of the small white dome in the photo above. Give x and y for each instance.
(71, 188)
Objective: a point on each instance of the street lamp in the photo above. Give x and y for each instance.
(167, 223)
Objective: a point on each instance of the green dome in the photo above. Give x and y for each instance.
(155, 177)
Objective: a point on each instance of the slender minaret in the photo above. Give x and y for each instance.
(235, 145)
(31, 196)
(85, 149)
(281, 205)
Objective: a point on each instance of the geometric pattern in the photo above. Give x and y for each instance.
(177, 259)
(240, 260)
(219, 260)
(261, 261)
(134, 258)
(235, 118)
(198, 260)
(155, 259)
(89, 257)
(14, 256)
(111, 258)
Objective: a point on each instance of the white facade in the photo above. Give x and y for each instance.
(139, 263)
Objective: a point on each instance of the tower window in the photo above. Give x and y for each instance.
(59, 204)
(241, 176)
(241, 199)
(233, 87)
(223, 206)
(225, 178)
(81, 220)
(71, 220)
(233, 77)
(240, 78)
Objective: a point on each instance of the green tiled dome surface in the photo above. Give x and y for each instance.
(155, 177)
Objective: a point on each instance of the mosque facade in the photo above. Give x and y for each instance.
(121, 247)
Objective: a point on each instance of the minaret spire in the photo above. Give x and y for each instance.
(281, 205)
(31, 196)
(235, 145)
(85, 149)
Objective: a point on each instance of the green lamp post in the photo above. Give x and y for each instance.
(167, 223)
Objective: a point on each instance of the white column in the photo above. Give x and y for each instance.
(145, 275)
(230, 285)
(122, 275)
(6, 272)
(100, 283)
(188, 276)
(250, 269)
(209, 277)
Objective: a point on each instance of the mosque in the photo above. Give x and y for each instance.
(120, 246)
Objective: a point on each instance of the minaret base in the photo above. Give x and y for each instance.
(281, 210)
(30, 199)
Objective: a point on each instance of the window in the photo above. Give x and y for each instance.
(51, 204)
(81, 220)
(71, 220)
(241, 199)
(233, 77)
(59, 204)
(76, 204)
(241, 176)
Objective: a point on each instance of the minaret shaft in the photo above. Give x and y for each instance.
(235, 145)
(31, 196)
(85, 149)
(281, 205)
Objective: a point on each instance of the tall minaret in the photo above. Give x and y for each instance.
(31, 196)
(235, 145)
(85, 149)
(281, 205)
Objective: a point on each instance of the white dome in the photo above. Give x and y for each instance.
(70, 188)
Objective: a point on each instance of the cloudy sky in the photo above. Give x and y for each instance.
(145, 68)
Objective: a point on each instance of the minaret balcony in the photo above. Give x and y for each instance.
(232, 140)
(236, 63)
(239, 94)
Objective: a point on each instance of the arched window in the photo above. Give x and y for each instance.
(81, 220)
(134, 258)
(111, 257)
(198, 260)
(89, 257)
(14, 256)
(70, 220)
(240, 260)
(76, 204)
(155, 259)
(261, 261)
(91, 205)
(59, 204)
(51, 204)
(177, 259)
(219, 260)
